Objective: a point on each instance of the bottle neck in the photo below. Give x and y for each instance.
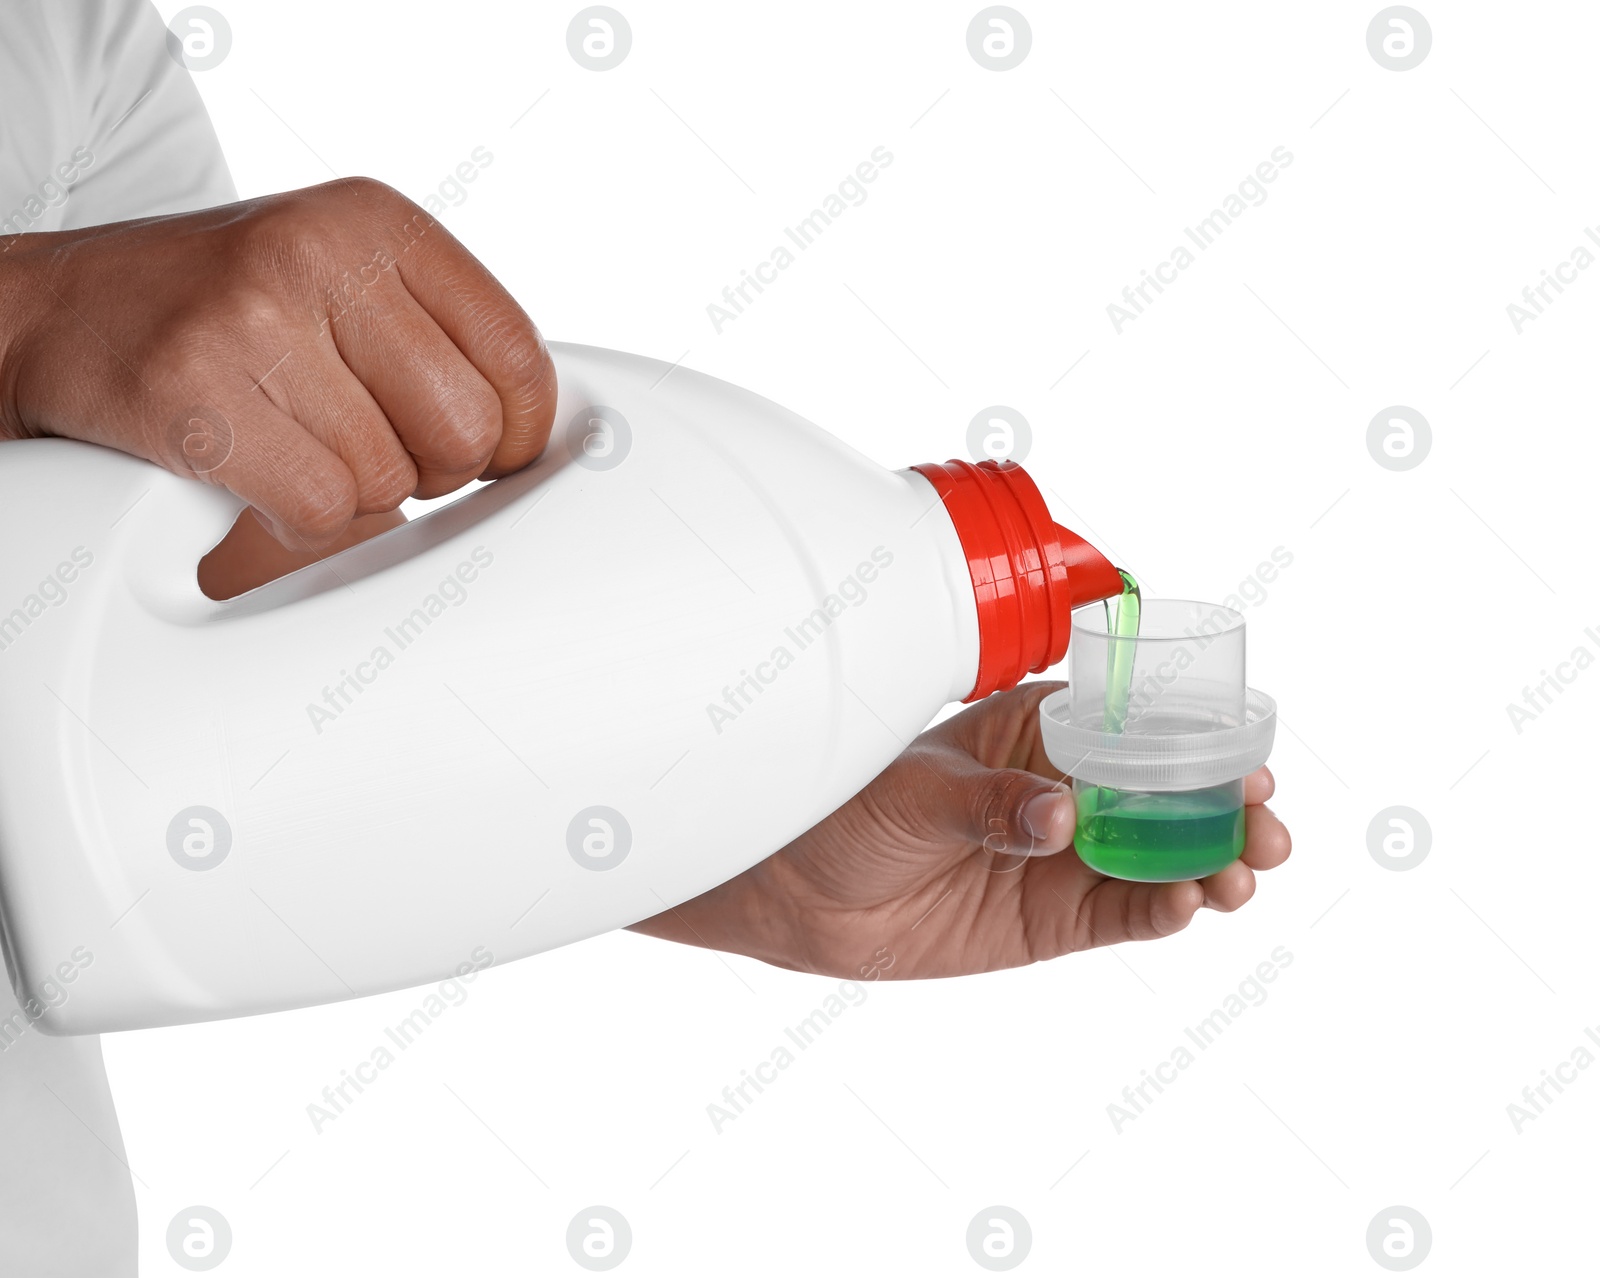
(1028, 572)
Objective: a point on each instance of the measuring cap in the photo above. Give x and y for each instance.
(1191, 720)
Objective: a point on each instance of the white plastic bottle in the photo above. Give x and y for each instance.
(573, 698)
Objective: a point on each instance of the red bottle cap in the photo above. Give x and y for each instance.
(1028, 572)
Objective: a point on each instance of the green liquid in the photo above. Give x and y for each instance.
(1160, 838)
(1122, 620)
(1140, 835)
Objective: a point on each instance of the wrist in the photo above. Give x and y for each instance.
(750, 914)
(24, 290)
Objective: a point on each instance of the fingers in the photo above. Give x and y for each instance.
(318, 390)
(495, 336)
(1266, 839)
(301, 490)
(249, 556)
(445, 377)
(1229, 888)
(1108, 911)
(1259, 785)
(1112, 911)
(1119, 911)
(444, 412)
(1115, 911)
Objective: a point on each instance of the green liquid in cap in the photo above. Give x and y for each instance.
(1141, 835)
(1159, 838)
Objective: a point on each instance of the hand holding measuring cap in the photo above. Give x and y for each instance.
(955, 860)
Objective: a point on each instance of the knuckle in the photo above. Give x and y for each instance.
(193, 343)
(387, 486)
(370, 192)
(471, 425)
(317, 232)
(531, 374)
(321, 505)
(508, 336)
(253, 315)
(997, 804)
(178, 352)
(380, 209)
(284, 230)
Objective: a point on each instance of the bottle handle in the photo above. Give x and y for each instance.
(179, 520)
(173, 522)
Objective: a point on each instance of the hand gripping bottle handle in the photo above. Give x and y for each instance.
(564, 702)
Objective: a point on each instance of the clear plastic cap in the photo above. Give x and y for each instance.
(1189, 720)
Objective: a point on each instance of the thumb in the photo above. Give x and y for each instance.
(1010, 811)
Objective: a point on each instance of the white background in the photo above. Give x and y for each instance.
(1228, 420)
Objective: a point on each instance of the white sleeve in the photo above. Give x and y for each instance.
(139, 115)
(97, 124)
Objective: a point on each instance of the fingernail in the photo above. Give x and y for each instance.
(1040, 813)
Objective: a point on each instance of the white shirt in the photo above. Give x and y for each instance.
(98, 123)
